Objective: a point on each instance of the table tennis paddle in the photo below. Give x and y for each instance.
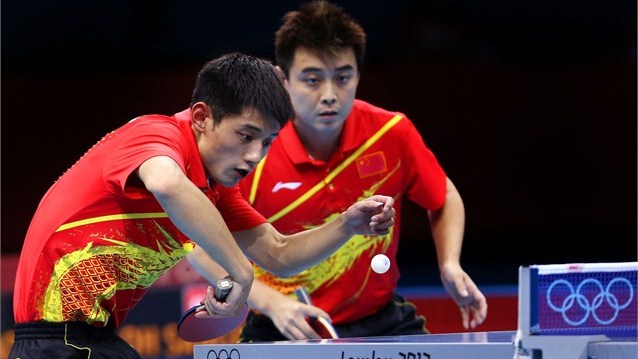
(320, 324)
(194, 329)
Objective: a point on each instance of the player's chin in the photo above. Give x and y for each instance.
(226, 181)
(230, 181)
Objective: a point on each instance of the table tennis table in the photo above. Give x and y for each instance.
(475, 345)
(567, 311)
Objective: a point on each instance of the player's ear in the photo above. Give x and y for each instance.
(200, 112)
(282, 75)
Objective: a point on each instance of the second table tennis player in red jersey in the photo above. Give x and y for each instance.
(150, 193)
(336, 151)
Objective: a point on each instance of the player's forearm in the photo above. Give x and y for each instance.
(200, 221)
(374, 216)
(288, 255)
(195, 216)
(206, 266)
(307, 248)
(448, 224)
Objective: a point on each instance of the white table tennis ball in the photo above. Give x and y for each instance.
(380, 263)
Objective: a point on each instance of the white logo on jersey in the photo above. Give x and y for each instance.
(286, 185)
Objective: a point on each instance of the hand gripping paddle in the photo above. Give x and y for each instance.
(320, 324)
(193, 329)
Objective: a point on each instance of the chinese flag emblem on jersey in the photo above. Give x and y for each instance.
(371, 164)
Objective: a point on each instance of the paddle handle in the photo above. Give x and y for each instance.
(222, 289)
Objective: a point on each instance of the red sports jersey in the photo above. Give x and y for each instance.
(99, 239)
(381, 152)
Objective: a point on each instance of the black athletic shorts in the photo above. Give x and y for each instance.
(398, 317)
(77, 340)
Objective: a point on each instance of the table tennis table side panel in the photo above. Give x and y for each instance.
(613, 350)
(318, 350)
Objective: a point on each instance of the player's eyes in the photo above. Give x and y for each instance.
(311, 81)
(342, 79)
(244, 137)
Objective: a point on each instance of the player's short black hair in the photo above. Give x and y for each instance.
(319, 26)
(235, 82)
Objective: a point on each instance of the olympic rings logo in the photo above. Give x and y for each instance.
(223, 354)
(576, 297)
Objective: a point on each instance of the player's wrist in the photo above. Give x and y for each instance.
(244, 276)
(347, 229)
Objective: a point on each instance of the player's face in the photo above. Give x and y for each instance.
(232, 148)
(322, 89)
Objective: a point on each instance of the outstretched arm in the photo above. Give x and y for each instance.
(447, 225)
(288, 255)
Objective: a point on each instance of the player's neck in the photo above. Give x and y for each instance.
(320, 146)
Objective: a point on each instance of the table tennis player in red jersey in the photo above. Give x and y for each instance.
(148, 194)
(336, 151)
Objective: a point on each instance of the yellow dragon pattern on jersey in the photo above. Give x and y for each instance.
(81, 280)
